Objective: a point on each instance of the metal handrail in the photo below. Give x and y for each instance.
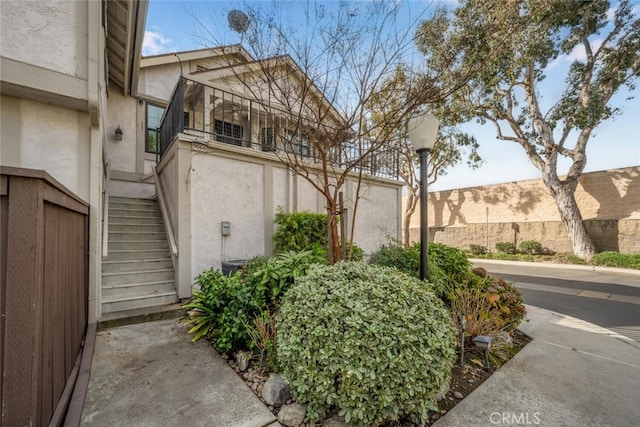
(165, 214)
(105, 211)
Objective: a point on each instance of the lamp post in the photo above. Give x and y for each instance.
(423, 130)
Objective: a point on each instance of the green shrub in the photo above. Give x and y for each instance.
(371, 341)
(357, 253)
(531, 247)
(393, 254)
(506, 247)
(477, 249)
(223, 307)
(616, 259)
(452, 261)
(277, 274)
(300, 231)
(447, 265)
(490, 304)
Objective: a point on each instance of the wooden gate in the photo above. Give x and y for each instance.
(44, 289)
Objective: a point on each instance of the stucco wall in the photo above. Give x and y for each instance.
(51, 34)
(43, 136)
(246, 188)
(225, 190)
(609, 202)
(122, 111)
(376, 216)
(159, 82)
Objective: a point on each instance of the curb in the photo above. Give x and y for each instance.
(593, 268)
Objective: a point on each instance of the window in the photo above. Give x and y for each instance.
(298, 143)
(154, 114)
(229, 133)
(267, 139)
(185, 120)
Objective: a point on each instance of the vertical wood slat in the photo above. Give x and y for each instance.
(24, 257)
(51, 271)
(44, 238)
(4, 215)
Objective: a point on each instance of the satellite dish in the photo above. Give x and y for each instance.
(238, 21)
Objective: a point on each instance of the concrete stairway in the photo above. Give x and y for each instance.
(138, 271)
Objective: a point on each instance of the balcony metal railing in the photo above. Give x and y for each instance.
(215, 115)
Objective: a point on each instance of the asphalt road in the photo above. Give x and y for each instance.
(608, 299)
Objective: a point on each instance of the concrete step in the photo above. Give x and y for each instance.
(136, 302)
(132, 201)
(132, 277)
(113, 292)
(127, 228)
(137, 254)
(133, 236)
(123, 245)
(136, 265)
(140, 315)
(134, 212)
(134, 204)
(132, 219)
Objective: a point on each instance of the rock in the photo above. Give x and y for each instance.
(242, 359)
(502, 339)
(471, 381)
(276, 391)
(458, 395)
(444, 391)
(275, 424)
(334, 421)
(292, 415)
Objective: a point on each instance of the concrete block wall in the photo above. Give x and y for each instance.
(512, 212)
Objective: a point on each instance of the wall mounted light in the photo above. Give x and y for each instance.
(118, 134)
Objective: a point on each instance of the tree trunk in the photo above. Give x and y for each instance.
(409, 210)
(333, 238)
(570, 213)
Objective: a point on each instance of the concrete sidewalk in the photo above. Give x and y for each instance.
(150, 374)
(573, 373)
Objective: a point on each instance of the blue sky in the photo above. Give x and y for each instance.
(171, 27)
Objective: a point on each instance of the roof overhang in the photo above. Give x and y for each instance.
(191, 55)
(125, 22)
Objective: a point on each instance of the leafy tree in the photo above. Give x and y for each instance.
(519, 44)
(450, 147)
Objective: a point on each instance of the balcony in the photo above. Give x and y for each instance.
(215, 116)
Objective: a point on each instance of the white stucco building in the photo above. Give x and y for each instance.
(190, 132)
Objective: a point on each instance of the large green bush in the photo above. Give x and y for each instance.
(371, 341)
(304, 231)
(222, 307)
(300, 231)
(448, 266)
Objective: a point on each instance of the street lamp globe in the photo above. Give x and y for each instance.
(423, 131)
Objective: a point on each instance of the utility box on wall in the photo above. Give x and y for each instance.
(225, 228)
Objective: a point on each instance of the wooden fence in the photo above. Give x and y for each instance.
(44, 286)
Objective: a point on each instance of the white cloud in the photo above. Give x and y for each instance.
(577, 54)
(154, 43)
